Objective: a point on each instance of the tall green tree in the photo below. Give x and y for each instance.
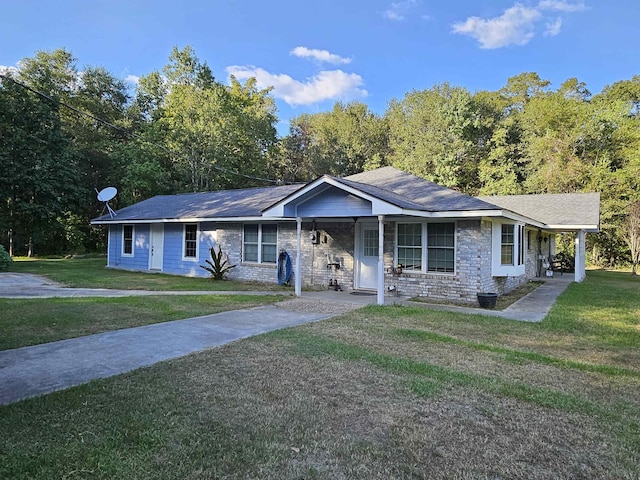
(218, 134)
(346, 140)
(39, 181)
(434, 134)
(90, 139)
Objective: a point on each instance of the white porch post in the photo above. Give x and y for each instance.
(380, 259)
(298, 278)
(580, 265)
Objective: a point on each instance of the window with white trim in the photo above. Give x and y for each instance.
(127, 240)
(260, 243)
(410, 246)
(521, 247)
(190, 241)
(507, 245)
(441, 247)
(439, 254)
(508, 251)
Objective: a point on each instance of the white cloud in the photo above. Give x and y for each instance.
(553, 28)
(319, 55)
(562, 6)
(4, 70)
(397, 11)
(133, 79)
(517, 25)
(514, 27)
(326, 85)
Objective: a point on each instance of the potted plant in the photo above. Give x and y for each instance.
(487, 300)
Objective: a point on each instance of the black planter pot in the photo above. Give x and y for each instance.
(487, 300)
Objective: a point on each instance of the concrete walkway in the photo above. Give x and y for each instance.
(533, 307)
(40, 369)
(30, 371)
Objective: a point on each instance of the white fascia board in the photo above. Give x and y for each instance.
(453, 213)
(521, 218)
(575, 228)
(476, 214)
(193, 220)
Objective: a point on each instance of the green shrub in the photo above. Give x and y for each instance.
(218, 267)
(5, 259)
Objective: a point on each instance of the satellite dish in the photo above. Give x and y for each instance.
(105, 195)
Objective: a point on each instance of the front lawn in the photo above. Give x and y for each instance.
(379, 393)
(92, 272)
(34, 321)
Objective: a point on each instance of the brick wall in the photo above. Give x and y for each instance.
(336, 245)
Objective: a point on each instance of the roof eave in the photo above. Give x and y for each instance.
(574, 228)
(254, 218)
(494, 213)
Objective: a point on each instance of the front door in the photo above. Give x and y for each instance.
(156, 245)
(367, 256)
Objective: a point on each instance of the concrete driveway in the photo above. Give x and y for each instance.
(40, 369)
(30, 371)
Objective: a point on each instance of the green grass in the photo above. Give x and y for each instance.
(34, 321)
(382, 392)
(511, 354)
(92, 272)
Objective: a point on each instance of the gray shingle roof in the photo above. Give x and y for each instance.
(411, 192)
(566, 209)
(247, 202)
(388, 184)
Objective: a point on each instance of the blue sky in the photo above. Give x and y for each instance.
(315, 53)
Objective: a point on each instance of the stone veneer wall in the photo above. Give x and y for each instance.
(473, 260)
(473, 253)
(336, 241)
(502, 285)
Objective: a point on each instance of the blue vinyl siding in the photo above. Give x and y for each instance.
(334, 202)
(172, 255)
(173, 261)
(140, 258)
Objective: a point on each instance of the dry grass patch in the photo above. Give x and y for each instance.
(363, 396)
(265, 408)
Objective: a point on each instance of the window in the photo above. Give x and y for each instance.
(441, 247)
(508, 241)
(410, 246)
(269, 243)
(190, 241)
(439, 238)
(370, 242)
(260, 243)
(521, 256)
(508, 249)
(127, 240)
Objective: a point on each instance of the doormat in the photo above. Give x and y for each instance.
(364, 293)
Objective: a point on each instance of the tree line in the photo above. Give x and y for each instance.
(65, 131)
